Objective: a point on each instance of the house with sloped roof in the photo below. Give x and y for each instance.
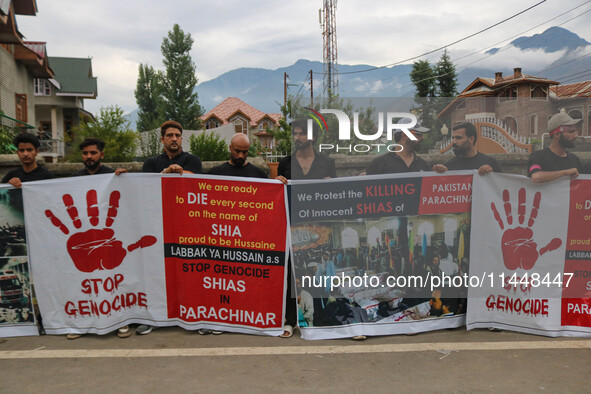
(243, 118)
(20, 63)
(60, 101)
(509, 111)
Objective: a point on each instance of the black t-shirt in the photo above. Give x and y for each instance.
(546, 160)
(245, 171)
(38, 174)
(586, 169)
(186, 160)
(102, 170)
(322, 167)
(473, 163)
(391, 163)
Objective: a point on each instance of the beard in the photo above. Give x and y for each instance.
(565, 143)
(91, 164)
(458, 150)
(413, 146)
(302, 145)
(238, 161)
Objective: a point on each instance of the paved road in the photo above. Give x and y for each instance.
(173, 359)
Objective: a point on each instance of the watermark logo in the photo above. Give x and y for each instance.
(393, 121)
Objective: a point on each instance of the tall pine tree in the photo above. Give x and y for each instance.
(148, 98)
(180, 100)
(447, 80)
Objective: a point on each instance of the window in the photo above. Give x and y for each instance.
(511, 124)
(240, 124)
(21, 110)
(265, 124)
(42, 87)
(212, 123)
(533, 124)
(508, 94)
(538, 92)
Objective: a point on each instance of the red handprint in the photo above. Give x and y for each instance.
(519, 248)
(96, 249)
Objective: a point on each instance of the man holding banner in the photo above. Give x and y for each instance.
(172, 160)
(27, 148)
(464, 138)
(555, 161)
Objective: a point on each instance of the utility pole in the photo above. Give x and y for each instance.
(311, 89)
(285, 76)
(328, 24)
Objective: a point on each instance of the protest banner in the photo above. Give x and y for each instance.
(17, 317)
(108, 251)
(379, 255)
(534, 254)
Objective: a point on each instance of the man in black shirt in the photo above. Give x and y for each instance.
(404, 160)
(92, 150)
(555, 161)
(238, 165)
(305, 162)
(27, 146)
(173, 160)
(464, 137)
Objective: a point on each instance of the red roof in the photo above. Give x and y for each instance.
(232, 105)
(579, 89)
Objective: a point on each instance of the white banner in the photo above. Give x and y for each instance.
(523, 232)
(104, 255)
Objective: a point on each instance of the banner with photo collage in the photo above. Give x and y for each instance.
(370, 253)
(17, 317)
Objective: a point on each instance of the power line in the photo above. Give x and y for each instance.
(448, 45)
(463, 67)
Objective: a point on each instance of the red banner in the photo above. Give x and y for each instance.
(224, 251)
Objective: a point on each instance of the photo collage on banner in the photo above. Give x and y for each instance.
(370, 253)
(17, 315)
(533, 255)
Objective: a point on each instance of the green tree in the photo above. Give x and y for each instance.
(447, 80)
(282, 133)
(111, 127)
(435, 85)
(209, 147)
(180, 100)
(148, 96)
(423, 77)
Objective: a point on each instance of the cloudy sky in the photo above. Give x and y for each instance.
(119, 35)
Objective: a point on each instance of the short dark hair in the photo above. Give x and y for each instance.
(92, 141)
(168, 124)
(303, 124)
(470, 129)
(26, 138)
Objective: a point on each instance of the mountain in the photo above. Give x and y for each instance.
(263, 88)
(553, 39)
